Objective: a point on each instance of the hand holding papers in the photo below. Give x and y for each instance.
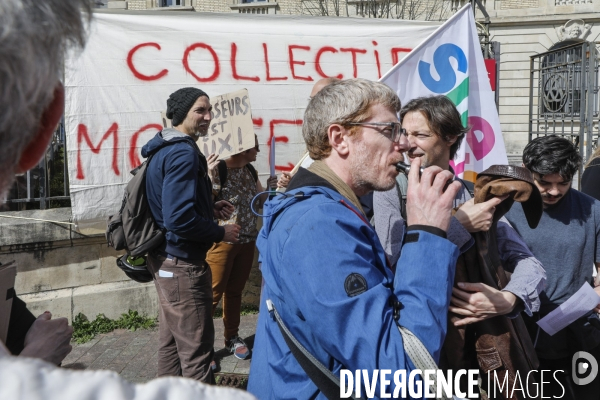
(581, 303)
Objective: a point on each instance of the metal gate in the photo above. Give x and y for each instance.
(563, 95)
(46, 185)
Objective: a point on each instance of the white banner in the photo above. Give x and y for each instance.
(118, 86)
(450, 62)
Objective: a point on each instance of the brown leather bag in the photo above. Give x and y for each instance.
(498, 345)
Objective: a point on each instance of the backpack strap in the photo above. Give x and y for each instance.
(319, 374)
(327, 382)
(252, 171)
(470, 186)
(222, 167)
(402, 186)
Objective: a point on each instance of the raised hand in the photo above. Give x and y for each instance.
(429, 199)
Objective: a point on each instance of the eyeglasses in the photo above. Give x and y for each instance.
(393, 132)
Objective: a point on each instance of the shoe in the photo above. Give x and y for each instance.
(238, 348)
(213, 366)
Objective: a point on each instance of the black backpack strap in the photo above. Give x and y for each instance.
(252, 171)
(146, 161)
(322, 377)
(470, 186)
(401, 186)
(222, 167)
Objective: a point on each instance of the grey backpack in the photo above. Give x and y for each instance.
(133, 229)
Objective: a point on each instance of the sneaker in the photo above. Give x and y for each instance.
(213, 366)
(238, 348)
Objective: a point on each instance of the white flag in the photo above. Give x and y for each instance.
(450, 62)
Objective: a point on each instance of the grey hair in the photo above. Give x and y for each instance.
(342, 102)
(34, 35)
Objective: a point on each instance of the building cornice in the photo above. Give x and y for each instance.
(532, 19)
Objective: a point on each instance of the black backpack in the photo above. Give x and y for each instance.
(222, 166)
(133, 229)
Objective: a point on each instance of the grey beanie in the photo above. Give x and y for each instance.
(180, 102)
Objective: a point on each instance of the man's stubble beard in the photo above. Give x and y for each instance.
(364, 177)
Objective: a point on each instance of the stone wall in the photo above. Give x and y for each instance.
(67, 273)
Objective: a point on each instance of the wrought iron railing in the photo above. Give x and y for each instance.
(563, 95)
(46, 185)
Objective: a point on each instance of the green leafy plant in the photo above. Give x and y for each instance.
(85, 330)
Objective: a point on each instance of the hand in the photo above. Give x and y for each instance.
(48, 339)
(478, 217)
(597, 290)
(284, 179)
(272, 183)
(223, 209)
(232, 233)
(479, 301)
(427, 203)
(213, 162)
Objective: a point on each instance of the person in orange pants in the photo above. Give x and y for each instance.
(231, 263)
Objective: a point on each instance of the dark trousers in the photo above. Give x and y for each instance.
(186, 330)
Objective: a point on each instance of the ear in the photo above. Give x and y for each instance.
(337, 139)
(451, 141)
(34, 151)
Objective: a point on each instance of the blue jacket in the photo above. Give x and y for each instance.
(180, 194)
(310, 245)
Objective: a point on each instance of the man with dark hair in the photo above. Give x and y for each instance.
(435, 131)
(445, 126)
(324, 270)
(180, 197)
(567, 242)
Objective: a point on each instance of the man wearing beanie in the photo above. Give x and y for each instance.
(180, 197)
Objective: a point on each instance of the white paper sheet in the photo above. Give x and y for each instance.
(165, 274)
(581, 303)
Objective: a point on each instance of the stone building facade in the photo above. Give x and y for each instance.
(526, 28)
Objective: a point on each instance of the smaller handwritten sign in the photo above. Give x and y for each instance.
(231, 130)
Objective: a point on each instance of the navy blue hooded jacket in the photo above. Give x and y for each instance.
(180, 195)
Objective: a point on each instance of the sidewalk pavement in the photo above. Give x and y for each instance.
(133, 355)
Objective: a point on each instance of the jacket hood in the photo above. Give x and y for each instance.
(164, 138)
(303, 186)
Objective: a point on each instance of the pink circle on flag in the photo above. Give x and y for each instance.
(480, 148)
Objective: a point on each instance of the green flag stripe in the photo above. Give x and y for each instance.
(459, 93)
